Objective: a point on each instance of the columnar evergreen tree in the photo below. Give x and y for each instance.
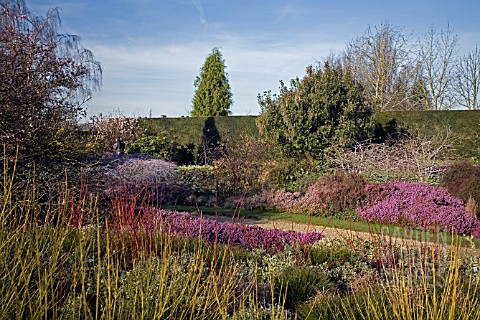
(213, 96)
(419, 98)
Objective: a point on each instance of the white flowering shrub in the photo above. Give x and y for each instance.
(114, 126)
(154, 180)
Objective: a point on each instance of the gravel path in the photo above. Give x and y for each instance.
(287, 225)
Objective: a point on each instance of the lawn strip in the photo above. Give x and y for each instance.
(357, 226)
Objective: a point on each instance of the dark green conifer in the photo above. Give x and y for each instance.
(213, 96)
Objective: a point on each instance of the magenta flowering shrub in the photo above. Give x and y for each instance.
(417, 205)
(184, 224)
(334, 193)
(279, 199)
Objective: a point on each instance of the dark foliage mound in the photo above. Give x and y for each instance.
(463, 181)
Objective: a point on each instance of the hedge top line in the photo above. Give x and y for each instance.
(465, 124)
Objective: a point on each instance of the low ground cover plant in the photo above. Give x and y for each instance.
(418, 205)
(182, 223)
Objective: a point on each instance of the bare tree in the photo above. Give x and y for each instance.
(382, 61)
(437, 53)
(467, 83)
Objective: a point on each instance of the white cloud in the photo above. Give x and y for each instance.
(160, 77)
(289, 9)
(201, 14)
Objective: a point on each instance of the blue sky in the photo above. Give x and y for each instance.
(152, 50)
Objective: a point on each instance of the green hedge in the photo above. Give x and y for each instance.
(191, 130)
(465, 125)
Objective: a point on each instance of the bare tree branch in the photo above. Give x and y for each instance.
(468, 80)
(437, 53)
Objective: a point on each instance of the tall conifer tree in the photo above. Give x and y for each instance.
(213, 96)
(420, 98)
